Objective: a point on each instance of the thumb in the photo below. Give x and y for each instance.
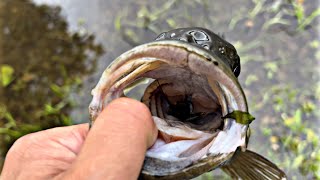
(117, 142)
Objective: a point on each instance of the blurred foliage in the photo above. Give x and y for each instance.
(6, 75)
(281, 88)
(40, 65)
(303, 19)
(296, 136)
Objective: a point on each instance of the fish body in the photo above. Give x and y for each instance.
(197, 104)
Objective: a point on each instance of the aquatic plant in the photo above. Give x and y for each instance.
(40, 65)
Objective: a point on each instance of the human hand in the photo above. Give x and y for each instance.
(114, 148)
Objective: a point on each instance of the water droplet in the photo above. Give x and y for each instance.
(183, 39)
(206, 46)
(222, 50)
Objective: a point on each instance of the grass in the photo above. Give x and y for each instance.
(37, 79)
(303, 19)
(291, 141)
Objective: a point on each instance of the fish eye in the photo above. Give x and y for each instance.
(199, 36)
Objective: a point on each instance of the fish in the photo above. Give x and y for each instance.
(196, 102)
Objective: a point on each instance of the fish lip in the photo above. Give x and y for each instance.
(100, 92)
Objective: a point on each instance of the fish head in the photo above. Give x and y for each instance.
(195, 99)
(207, 40)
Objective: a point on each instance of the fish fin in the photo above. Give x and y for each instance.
(250, 165)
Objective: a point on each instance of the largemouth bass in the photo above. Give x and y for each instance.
(197, 105)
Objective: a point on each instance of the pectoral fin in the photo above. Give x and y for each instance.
(250, 165)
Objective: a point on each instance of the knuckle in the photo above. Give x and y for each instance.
(22, 141)
(21, 144)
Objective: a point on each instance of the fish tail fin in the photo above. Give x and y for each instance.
(250, 165)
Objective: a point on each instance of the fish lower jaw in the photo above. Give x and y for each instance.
(180, 148)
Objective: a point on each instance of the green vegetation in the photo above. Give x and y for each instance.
(296, 136)
(6, 74)
(277, 70)
(41, 64)
(303, 19)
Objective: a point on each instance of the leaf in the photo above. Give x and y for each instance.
(288, 121)
(266, 131)
(299, 12)
(250, 79)
(117, 23)
(240, 117)
(6, 73)
(297, 117)
(66, 120)
(57, 90)
(298, 161)
(307, 21)
(172, 23)
(50, 109)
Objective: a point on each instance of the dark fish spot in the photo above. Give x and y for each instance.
(161, 36)
(231, 55)
(216, 63)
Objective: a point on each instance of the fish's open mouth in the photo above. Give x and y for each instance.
(186, 111)
(193, 90)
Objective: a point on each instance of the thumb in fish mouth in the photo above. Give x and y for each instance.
(116, 144)
(135, 112)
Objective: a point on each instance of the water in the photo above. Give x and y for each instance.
(280, 60)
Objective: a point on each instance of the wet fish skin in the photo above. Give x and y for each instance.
(198, 44)
(207, 40)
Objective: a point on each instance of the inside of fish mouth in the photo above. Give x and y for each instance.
(182, 98)
(184, 104)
